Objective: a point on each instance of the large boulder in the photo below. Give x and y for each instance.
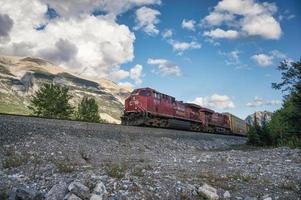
(79, 190)
(57, 192)
(208, 192)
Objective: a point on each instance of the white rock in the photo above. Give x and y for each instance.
(268, 198)
(227, 195)
(100, 189)
(96, 197)
(208, 192)
(71, 196)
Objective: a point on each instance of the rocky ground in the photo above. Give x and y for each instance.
(51, 159)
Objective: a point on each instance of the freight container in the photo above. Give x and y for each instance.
(238, 126)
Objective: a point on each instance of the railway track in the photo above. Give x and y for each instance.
(14, 125)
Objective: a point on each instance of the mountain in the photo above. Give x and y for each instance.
(259, 117)
(20, 77)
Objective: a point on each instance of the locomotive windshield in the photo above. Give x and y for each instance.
(144, 93)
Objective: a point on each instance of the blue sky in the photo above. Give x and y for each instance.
(220, 54)
(205, 71)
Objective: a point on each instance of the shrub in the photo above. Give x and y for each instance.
(65, 166)
(51, 101)
(88, 110)
(116, 170)
(14, 161)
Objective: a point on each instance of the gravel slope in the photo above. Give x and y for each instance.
(141, 163)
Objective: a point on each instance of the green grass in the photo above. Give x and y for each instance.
(13, 104)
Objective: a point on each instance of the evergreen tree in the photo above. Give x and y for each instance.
(88, 110)
(51, 101)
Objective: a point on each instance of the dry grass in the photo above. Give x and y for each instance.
(14, 160)
(116, 170)
(65, 166)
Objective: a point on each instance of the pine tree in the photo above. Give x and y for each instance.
(51, 101)
(88, 110)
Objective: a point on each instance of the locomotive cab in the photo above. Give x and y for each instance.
(138, 100)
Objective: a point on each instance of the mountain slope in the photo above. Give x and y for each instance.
(20, 77)
(260, 115)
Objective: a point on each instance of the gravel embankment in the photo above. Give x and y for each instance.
(140, 163)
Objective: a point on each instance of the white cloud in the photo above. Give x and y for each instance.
(232, 57)
(220, 33)
(189, 24)
(146, 19)
(216, 18)
(135, 73)
(263, 25)
(119, 74)
(84, 44)
(215, 101)
(126, 85)
(167, 33)
(257, 102)
(246, 17)
(165, 67)
(265, 60)
(183, 46)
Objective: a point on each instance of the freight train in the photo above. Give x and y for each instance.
(148, 107)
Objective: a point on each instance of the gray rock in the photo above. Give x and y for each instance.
(24, 194)
(208, 192)
(250, 198)
(71, 196)
(57, 192)
(79, 190)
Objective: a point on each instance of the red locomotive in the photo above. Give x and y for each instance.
(146, 106)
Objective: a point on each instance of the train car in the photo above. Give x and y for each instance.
(237, 126)
(148, 107)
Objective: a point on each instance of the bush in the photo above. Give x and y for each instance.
(51, 101)
(88, 110)
(260, 135)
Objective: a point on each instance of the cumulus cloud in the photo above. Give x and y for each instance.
(84, 44)
(183, 46)
(189, 24)
(135, 73)
(146, 19)
(6, 24)
(265, 60)
(215, 101)
(63, 51)
(245, 17)
(165, 67)
(220, 33)
(257, 102)
(167, 33)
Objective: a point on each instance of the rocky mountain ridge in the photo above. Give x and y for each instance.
(259, 116)
(20, 77)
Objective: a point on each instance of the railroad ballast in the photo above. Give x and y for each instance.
(148, 107)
